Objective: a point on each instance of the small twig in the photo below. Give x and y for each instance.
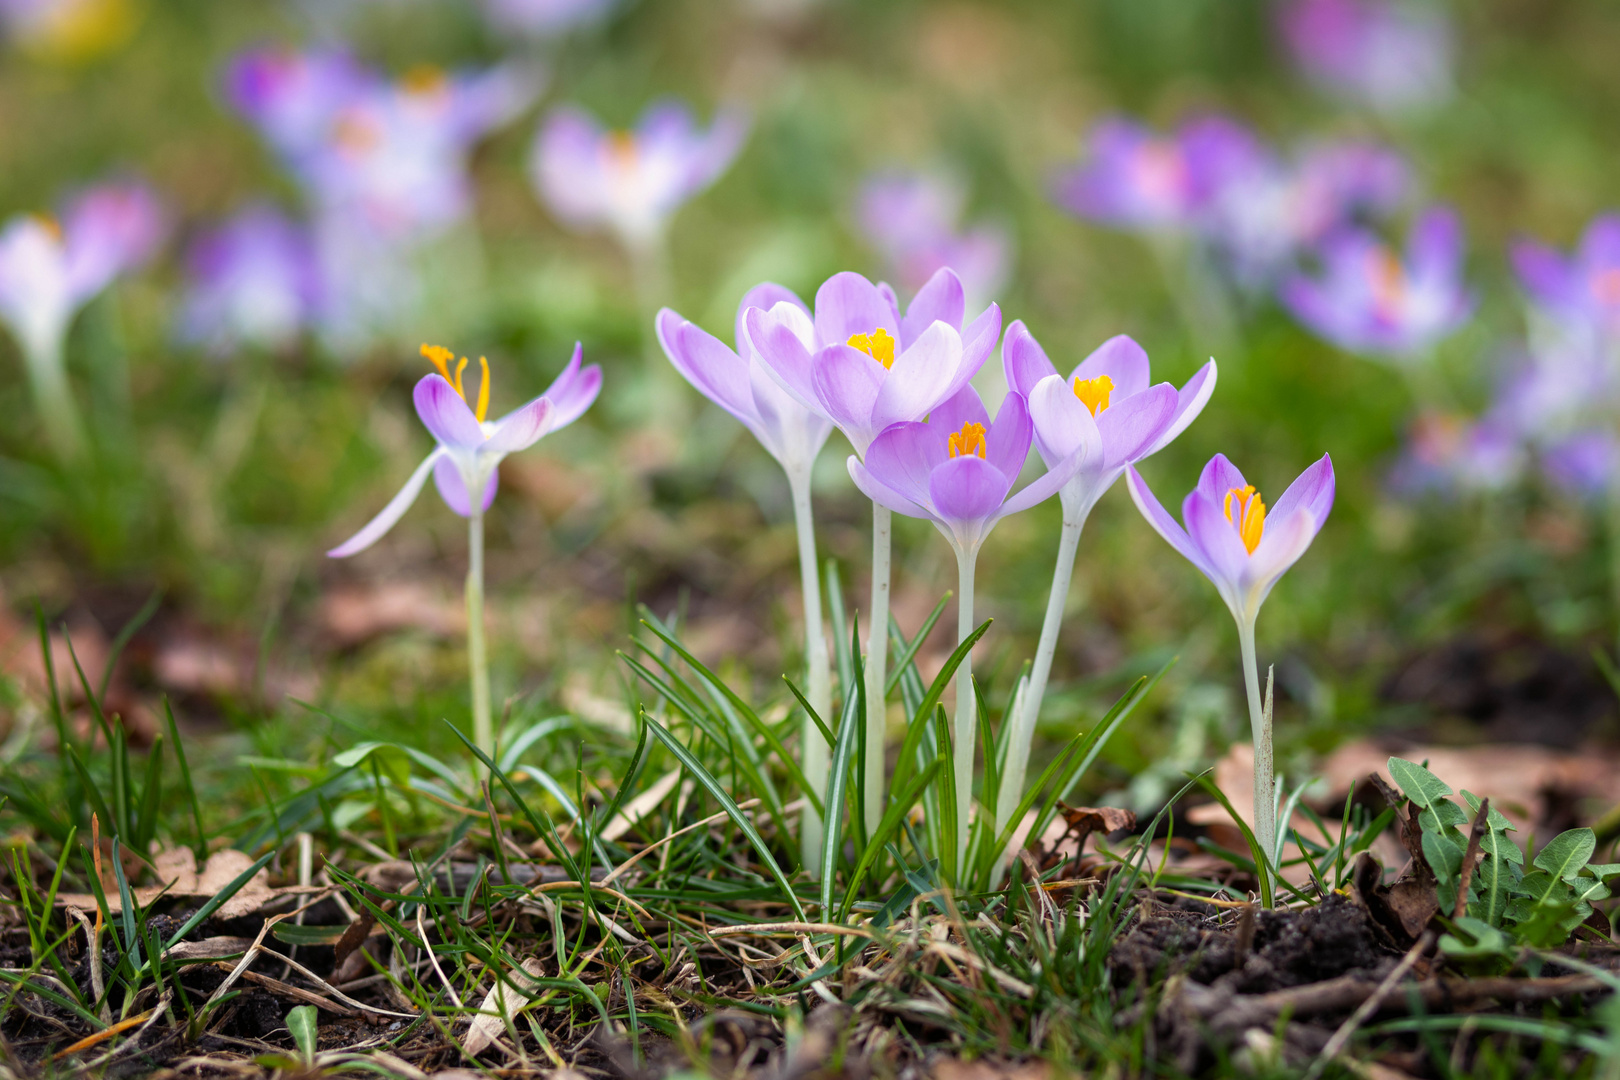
(1341, 1037)
(1471, 856)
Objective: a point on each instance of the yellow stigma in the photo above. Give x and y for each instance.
(1251, 519)
(441, 358)
(424, 79)
(968, 441)
(878, 345)
(1093, 393)
(50, 225)
(623, 148)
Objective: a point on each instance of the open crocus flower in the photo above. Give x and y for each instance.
(1134, 178)
(1394, 57)
(1232, 538)
(631, 181)
(1371, 301)
(1581, 291)
(254, 281)
(913, 219)
(470, 447)
(861, 364)
(1243, 550)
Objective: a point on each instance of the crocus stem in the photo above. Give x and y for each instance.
(649, 265)
(1016, 763)
(818, 675)
(1265, 807)
(54, 398)
(477, 660)
(877, 658)
(963, 734)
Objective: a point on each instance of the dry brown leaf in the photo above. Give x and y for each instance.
(177, 870)
(355, 614)
(501, 1001)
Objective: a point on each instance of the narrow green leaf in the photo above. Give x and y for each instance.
(909, 649)
(843, 755)
(301, 1023)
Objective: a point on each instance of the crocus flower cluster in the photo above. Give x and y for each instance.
(383, 167)
(1393, 56)
(49, 269)
(913, 219)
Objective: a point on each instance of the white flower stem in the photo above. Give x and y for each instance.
(1265, 808)
(877, 662)
(54, 398)
(1016, 765)
(477, 659)
(818, 675)
(964, 731)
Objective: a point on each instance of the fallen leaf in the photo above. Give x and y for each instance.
(502, 1001)
(985, 1069)
(177, 871)
(355, 614)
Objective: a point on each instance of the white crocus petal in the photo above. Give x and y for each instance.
(391, 513)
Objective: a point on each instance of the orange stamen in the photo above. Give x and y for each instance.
(878, 345)
(441, 358)
(1388, 280)
(1251, 519)
(1093, 393)
(969, 441)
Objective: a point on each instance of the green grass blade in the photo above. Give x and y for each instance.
(907, 762)
(201, 847)
(909, 649)
(843, 754)
(1262, 862)
(131, 628)
(899, 807)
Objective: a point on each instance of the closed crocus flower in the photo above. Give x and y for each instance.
(1244, 548)
(958, 471)
(255, 281)
(631, 182)
(1581, 290)
(1108, 402)
(1370, 300)
(49, 270)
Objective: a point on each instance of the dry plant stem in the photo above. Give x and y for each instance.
(47, 374)
(877, 657)
(818, 675)
(477, 658)
(962, 736)
(1022, 735)
(1265, 805)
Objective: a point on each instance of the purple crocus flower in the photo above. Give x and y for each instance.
(1389, 55)
(1583, 464)
(1106, 401)
(862, 364)
(631, 182)
(1369, 300)
(1581, 291)
(1231, 537)
(546, 18)
(1448, 453)
(470, 448)
(913, 219)
(293, 97)
(958, 469)
(255, 281)
(1132, 178)
(740, 383)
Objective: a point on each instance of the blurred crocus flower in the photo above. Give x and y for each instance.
(913, 219)
(71, 30)
(862, 364)
(470, 448)
(1134, 178)
(545, 18)
(48, 271)
(1446, 453)
(294, 97)
(1266, 211)
(1243, 550)
(1369, 300)
(631, 182)
(255, 281)
(1584, 463)
(1580, 291)
(1391, 55)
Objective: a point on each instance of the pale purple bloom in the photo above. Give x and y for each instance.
(255, 281)
(470, 449)
(546, 18)
(631, 182)
(1450, 453)
(1369, 300)
(1266, 211)
(1393, 56)
(914, 218)
(1106, 402)
(293, 97)
(862, 364)
(1134, 178)
(740, 383)
(1583, 464)
(1232, 538)
(49, 270)
(1581, 290)
(958, 469)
